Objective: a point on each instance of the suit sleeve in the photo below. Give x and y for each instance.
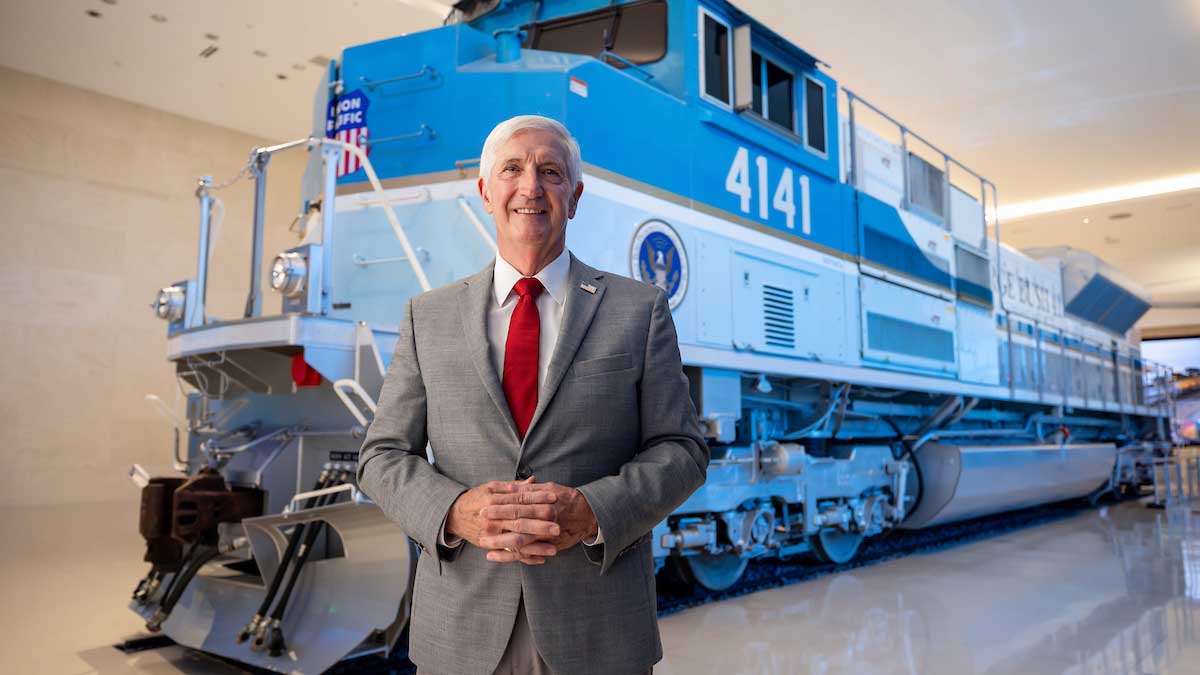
(673, 459)
(392, 466)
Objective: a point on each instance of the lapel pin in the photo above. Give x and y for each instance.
(588, 287)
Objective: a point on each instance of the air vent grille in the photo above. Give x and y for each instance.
(779, 317)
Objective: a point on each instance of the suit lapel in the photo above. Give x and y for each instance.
(473, 306)
(578, 310)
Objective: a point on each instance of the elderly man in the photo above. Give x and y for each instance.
(562, 431)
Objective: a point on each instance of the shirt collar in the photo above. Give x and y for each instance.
(552, 276)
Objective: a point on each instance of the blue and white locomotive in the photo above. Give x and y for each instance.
(863, 354)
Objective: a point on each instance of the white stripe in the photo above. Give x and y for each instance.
(345, 159)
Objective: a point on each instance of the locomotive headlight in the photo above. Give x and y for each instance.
(288, 272)
(168, 305)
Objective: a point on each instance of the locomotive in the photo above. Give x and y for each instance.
(864, 354)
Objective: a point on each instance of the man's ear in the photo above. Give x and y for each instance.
(487, 200)
(575, 199)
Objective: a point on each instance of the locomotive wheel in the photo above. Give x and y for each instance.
(716, 572)
(834, 546)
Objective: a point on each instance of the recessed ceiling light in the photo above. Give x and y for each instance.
(208, 51)
(319, 60)
(280, 76)
(212, 36)
(158, 18)
(1086, 221)
(94, 14)
(1120, 216)
(260, 53)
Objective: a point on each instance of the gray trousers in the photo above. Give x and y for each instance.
(521, 657)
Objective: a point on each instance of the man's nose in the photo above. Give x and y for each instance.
(530, 184)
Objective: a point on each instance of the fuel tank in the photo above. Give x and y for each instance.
(965, 481)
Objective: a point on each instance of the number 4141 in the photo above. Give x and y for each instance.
(737, 182)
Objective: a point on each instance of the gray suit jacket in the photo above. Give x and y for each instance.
(614, 419)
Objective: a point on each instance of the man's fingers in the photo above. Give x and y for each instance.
(507, 486)
(539, 549)
(510, 511)
(538, 497)
(513, 540)
(544, 528)
(503, 556)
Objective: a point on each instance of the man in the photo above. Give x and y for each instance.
(562, 431)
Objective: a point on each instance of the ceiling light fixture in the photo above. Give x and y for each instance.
(280, 76)
(208, 51)
(158, 18)
(94, 14)
(1079, 200)
(212, 36)
(260, 53)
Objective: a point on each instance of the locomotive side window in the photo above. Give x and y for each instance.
(773, 92)
(814, 115)
(716, 59)
(635, 32)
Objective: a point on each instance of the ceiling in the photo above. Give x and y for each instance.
(1043, 98)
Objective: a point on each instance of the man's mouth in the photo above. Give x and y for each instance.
(531, 212)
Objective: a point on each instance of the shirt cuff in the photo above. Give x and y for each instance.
(445, 538)
(597, 540)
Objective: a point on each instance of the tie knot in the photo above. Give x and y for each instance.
(528, 286)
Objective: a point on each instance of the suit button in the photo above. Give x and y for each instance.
(523, 472)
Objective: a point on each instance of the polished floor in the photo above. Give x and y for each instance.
(1115, 590)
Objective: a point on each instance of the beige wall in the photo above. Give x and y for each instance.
(96, 213)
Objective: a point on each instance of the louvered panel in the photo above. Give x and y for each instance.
(779, 317)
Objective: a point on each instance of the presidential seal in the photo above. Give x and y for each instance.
(657, 257)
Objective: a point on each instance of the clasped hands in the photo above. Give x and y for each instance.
(522, 521)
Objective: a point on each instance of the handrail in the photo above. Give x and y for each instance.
(367, 262)
(353, 385)
(371, 85)
(424, 130)
(856, 98)
(344, 487)
(628, 64)
(409, 251)
(462, 202)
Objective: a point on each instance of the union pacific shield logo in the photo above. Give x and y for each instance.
(346, 120)
(657, 257)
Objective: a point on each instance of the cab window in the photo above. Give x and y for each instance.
(635, 32)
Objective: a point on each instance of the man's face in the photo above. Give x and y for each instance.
(529, 194)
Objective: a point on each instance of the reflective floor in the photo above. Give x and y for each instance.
(1115, 590)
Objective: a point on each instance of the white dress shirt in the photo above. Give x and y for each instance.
(554, 278)
(549, 306)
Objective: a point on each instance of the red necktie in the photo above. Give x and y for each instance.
(521, 354)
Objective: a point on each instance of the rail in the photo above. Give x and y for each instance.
(331, 150)
(1059, 385)
(425, 70)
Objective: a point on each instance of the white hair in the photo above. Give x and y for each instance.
(514, 125)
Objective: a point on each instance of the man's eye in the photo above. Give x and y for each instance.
(510, 168)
